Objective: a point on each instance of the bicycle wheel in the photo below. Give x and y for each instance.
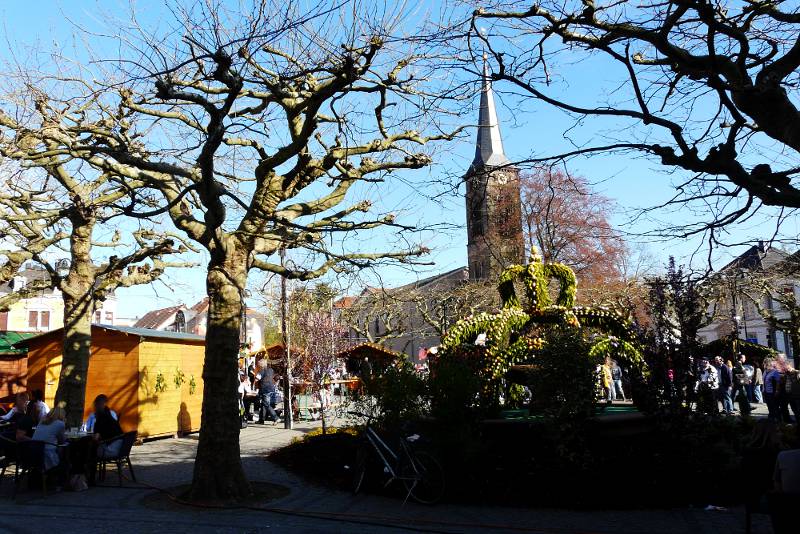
(424, 477)
(360, 468)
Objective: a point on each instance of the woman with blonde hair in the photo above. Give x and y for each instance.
(52, 431)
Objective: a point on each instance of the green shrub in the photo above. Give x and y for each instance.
(454, 388)
(563, 380)
(396, 395)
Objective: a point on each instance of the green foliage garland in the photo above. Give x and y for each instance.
(513, 335)
(179, 379)
(161, 383)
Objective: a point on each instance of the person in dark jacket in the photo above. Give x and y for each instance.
(772, 385)
(265, 379)
(107, 427)
(725, 385)
(741, 381)
(791, 389)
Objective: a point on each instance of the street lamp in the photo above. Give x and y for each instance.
(285, 334)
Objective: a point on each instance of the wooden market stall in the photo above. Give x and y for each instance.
(13, 366)
(379, 357)
(153, 378)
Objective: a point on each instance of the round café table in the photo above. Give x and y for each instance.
(79, 451)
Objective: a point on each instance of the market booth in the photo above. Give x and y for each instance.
(153, 378)
(379, 356)
(13, 366)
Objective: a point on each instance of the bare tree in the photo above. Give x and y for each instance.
(50, 206)
(250, 130)
(441, 306)
(376, 315)
(386, 316)
(703, 87)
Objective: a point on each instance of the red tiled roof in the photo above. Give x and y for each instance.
(201, 306)
(156, 318)
(345, 302)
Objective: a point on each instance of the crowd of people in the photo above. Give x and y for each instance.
(261, 391)
(31, 420)
(721, 384)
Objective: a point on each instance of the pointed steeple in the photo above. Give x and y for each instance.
(489, 148)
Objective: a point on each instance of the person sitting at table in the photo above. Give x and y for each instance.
(37, 405)
(24, 430)
(18, 410)
(247, 395)
(100, 401)
(106, 427)
(52, 430)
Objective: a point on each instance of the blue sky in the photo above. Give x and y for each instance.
(528, 129)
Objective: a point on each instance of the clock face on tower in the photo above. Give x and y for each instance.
(502, 179)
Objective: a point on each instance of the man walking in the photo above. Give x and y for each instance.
(266, 393)
(791, 388)
(741, 381)
(616, 378)
(725, 385)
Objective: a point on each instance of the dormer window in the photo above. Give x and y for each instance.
(180, 321)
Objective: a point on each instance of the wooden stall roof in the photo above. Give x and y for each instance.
(129, 330)
(369, 350)
(380, 357)
(274, 354)
(8, 340)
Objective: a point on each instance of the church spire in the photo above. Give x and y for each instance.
(489, 148)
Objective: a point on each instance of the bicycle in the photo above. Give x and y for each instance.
(419, 471)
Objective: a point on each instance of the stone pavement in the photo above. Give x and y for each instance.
(310, 508)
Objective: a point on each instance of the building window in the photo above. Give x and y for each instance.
(97, 316)
(109, 317)
(39, 320)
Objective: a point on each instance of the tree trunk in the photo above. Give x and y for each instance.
(76, 350)
(218, 472)
(323, 412)
(795, 336)
(77, 290)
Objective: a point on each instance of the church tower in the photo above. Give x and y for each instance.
(494, 212)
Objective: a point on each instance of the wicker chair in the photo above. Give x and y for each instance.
(124, 456)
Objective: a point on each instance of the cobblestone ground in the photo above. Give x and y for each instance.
(308, 508)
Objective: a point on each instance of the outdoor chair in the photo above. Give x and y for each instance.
(28, 460)
(8, 450)
(124, 456)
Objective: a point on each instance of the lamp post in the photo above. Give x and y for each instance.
(734, 315)
(285, 334)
